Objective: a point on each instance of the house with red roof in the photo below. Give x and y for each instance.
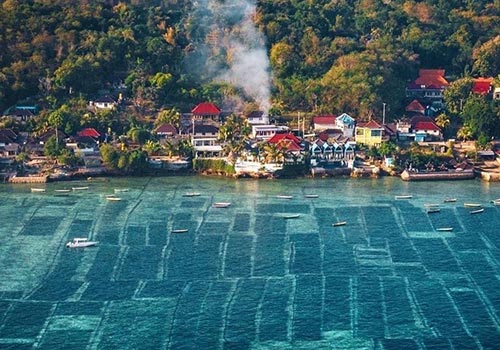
(289, 144)
(415, 107)
(206, 111)
(429, 86)
(89, 132)
(425, 129)
(482, 86)
(323, 122)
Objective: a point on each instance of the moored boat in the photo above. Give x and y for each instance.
(444, 229)
(181, 230)
(311, 196)
(472, 205)
(81, 188)
(291, 216)
(404, 196)
(113, 198)
(433, 210)
(284, 197)
(477, 211)
(38, 190)
(191, 194)
(221, 204)
(64, 190)
(339, 223)
(81, 243)
(450, 200)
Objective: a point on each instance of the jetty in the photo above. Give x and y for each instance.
(438, 175)
(28, 179)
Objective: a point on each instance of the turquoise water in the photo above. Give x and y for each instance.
(244, 277)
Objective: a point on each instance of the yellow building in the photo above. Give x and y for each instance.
(370, 133)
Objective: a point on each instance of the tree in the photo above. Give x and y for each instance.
(139, 135)
(442, 120)
(481, 116)
(109, 155)
(52, 147)
(486, 61)
(168, 116)
(456, 94)
(233, 134)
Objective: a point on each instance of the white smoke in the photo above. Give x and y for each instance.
(236, 33)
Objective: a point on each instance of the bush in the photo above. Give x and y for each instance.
(215, 165)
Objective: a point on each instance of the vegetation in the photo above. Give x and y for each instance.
(213, 166)
(325, 56)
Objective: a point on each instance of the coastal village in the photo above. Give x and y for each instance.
(211, 140)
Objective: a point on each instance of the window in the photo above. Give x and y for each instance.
(376, 133)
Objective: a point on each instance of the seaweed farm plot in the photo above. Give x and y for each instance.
(350, 268)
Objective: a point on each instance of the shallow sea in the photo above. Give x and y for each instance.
(245, 277)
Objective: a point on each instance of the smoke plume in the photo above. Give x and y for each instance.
(232, 35)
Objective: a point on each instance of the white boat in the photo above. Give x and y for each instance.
(80, 243)
(38, 190)
(472, 205)
(311, 196)
(119, 190)
(82, 188)
(496, 202)
(181, 230)
(477, 211)
(404, 196)
(291, 216)
(284, 197)
(64, 190)
(221, 204)
(191, 194)
(450, 200)
(433, 210)
(339, 223)
(431, 205)
(444, 229)
(113, 198)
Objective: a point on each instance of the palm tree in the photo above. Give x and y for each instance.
(272, 152)
(151, 147)
(465, 133)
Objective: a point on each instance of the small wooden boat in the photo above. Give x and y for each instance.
(221, 204)
(81, 243)
(472, 205)
(405, 196)
(431, 205)
(339, 223)
(181, 230)
(82, 188)
(311, 196)
(477, 211)
(450, 200)
(38, 190)
(113, 198)
(119, 190)
(284, 197)
(64, 190)
(191, 194)
(291, 216)
(433, 210)
(444, 229)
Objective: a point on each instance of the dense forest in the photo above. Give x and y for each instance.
(323, 56)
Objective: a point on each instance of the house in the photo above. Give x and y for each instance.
(166, 131)
(89, 132)
(330, 134)
(83, 145)
(429, 86)
(289, 144)
(204, 138)
(370, 133)
(415, 107)
(346, 123)
(206, 111)
(332, 152)
(257, 118)
(9, 145)
(482, 86)
(105, 102)
(425, 129)
(20, 114)
(324, 122)
(265, 132)
(496, 93)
